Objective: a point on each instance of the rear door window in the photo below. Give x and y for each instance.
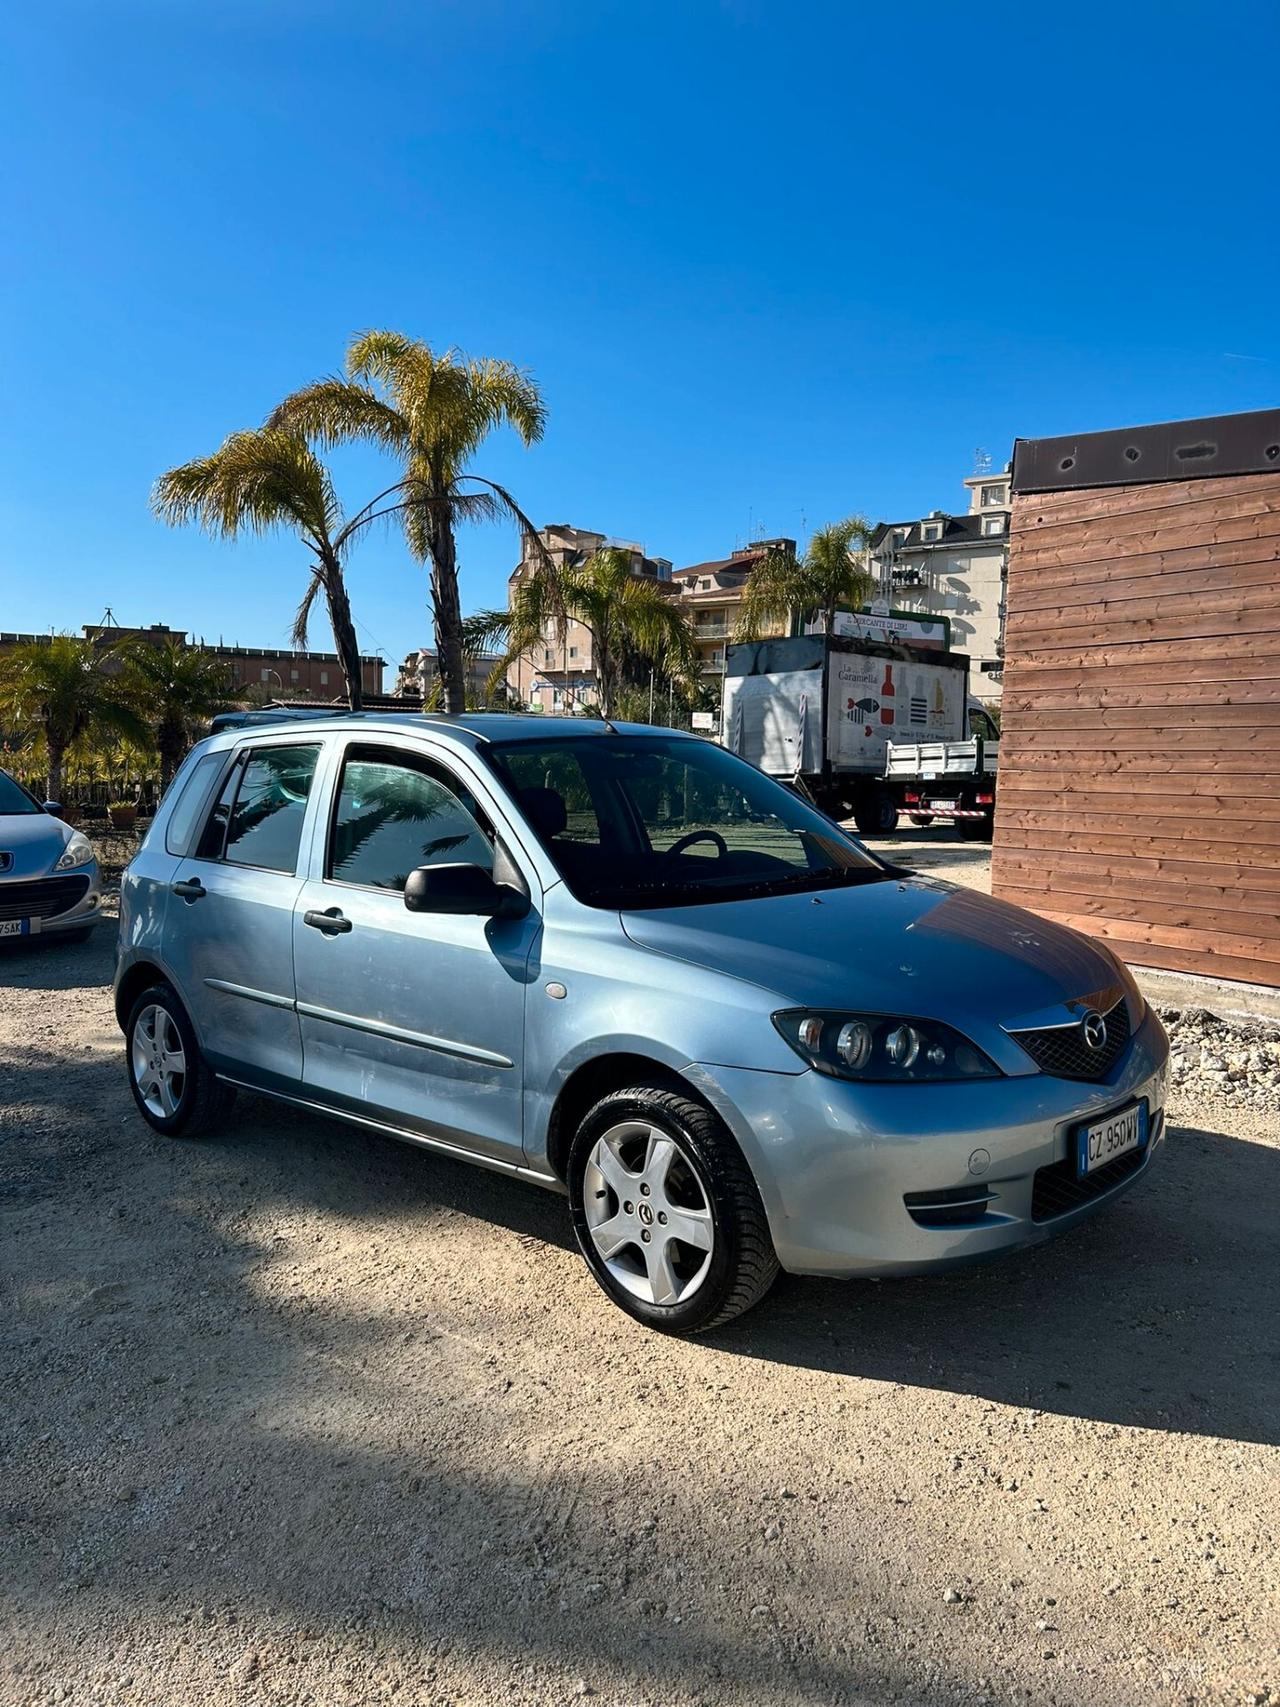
(265, 818)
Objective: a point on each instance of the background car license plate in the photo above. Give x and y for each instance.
(1115, 1135)
(14, 927)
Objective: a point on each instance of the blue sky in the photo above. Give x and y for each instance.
(770, 263)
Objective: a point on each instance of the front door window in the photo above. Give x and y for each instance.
(397, 812)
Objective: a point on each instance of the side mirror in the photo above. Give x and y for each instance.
(463, 889)
(53, 806)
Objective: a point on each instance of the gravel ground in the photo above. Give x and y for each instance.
(298, 1415)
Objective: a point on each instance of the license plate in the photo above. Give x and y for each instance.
(15, 927)
(928, 776)
(943, 805)
(1106, 1140)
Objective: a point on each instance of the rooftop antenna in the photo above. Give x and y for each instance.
(108, 619)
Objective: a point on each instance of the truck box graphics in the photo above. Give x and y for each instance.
(872, 700)
(810, 706)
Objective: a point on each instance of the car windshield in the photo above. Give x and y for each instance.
(14, 799)
(669, 821)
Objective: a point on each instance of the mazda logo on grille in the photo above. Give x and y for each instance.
(1094, 1030)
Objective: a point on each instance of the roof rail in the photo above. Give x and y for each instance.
(275, 714)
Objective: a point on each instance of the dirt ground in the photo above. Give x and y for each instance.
(296, 1415)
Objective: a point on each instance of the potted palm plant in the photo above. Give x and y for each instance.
(122, 813)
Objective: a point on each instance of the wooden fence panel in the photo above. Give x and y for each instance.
(1139, 790)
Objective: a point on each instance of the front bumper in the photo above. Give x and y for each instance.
(43, 906)
(836, 1162)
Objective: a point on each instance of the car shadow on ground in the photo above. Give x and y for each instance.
(1158, 1313)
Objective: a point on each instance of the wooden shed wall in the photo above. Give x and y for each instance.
(1139, 794)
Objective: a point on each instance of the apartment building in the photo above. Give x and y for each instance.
(954, 566)
(420, 671)
(559, 676)
(712, 593)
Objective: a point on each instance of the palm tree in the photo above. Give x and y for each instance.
(62, 689)
(783, 587)
(257, 482)
(432, 412)
(175, 688)
(631, 620)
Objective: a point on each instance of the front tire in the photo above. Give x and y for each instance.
(172, 1084)
(666, 1212)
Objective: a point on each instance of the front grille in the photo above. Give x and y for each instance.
(43, 898)
(1062, 1050)
(1058, 1190)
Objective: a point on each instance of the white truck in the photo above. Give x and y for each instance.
(951, 780)
(823, 710)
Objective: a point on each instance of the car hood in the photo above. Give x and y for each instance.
(35, 840)
(910, 945)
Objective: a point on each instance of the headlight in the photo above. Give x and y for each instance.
(78, 851)
(882, 1047)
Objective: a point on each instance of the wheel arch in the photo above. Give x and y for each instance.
(140, 976)
(595, 1078)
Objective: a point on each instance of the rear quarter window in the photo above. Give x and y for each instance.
(193, 794)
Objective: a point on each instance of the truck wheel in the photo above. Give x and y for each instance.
(976, 829)
(923, 819)
(877, 816)
(666, 1212)
(830, 803)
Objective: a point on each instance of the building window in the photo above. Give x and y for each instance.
(900, 536)
(992, 524)
(930, 532)
(993, 497)
(293, 675)
(573, 651)
(266, 675)
(324, 678)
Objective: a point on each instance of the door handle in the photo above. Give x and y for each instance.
(191, 889)
(332, 923)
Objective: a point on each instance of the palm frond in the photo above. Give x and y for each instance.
(302, 616)
(255, 482)
(776, 586)
(338, 411)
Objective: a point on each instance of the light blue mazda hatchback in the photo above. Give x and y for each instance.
(622, 964)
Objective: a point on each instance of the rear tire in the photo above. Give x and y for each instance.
(645, 1162)
(877, 816)
(921, 819)
(172, 1083)
(975, 829)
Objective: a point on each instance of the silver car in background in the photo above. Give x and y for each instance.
(620, 963)
(49, 879)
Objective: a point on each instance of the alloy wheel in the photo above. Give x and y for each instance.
(159, 1062)
(647, 1213)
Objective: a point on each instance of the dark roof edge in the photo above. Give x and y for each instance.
(1139, 456)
